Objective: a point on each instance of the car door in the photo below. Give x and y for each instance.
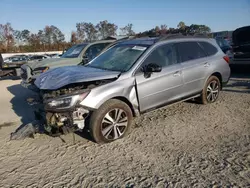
(194, 64)
(160, 87)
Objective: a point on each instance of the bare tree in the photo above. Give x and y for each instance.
(35, 40)
(57, 36)
(7, 35)
(21, 37)
(88, 30)
(73, 38)
(127, 30)
(106, 29)
(80, 33)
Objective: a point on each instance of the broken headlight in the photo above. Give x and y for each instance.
(40, 70)
(65, 102)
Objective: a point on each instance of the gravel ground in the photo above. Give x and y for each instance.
(183, 145)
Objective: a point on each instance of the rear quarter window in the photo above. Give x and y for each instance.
(208, 48)
(190, 51)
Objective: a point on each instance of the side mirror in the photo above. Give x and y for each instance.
(85, 59)
(152, 67)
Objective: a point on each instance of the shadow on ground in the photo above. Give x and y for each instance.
(20, 104)
(10, 78)
(240, 79)
(25, 111)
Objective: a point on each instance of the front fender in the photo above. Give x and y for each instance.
(117, 89)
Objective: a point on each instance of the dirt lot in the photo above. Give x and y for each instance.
(183, 145)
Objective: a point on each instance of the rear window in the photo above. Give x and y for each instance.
(208, 48)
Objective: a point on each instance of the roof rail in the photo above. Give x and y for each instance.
(169, 36)
(202, 35)
(180, 35)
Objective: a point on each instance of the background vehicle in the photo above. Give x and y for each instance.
(241, 45)
(38, 57)
(130, 78)
(77, 54)
(12, 65)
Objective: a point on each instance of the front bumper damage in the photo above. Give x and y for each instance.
(62, 122)
(53, 123)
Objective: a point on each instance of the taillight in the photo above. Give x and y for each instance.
(226, 58)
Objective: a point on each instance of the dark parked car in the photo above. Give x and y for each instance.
(241, 44)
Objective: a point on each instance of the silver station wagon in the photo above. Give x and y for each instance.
(130, 78)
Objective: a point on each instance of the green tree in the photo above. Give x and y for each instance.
(195, 28)
(181, 25)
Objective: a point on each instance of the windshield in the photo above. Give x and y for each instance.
(118, 58)
(74, 51)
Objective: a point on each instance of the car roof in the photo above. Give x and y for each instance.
(152, 40)
(142, 41)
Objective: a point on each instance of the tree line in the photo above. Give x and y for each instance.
(52, 38)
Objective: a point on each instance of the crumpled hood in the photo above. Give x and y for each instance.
(50, 62)
(62, 76)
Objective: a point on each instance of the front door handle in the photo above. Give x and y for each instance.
(206, 64)
(177, 73)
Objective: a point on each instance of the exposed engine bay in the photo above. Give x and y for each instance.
(59, 120)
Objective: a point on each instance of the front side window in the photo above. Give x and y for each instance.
(190, 51)
(74, 51)
(164, 56)
(95, 50)
(118, 58)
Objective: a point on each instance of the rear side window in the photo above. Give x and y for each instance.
(190, 51)
(208, 48)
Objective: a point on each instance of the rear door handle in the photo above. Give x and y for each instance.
(206, 64)
(177, 73)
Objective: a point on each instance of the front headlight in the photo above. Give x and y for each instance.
(40, 70)
(65, 102)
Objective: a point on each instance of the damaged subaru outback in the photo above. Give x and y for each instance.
(130, 78)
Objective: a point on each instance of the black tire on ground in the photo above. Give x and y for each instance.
(96, 126)
(204, 96)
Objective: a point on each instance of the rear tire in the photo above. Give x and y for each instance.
(211, 90)
(111, 121)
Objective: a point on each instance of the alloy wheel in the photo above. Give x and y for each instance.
(212, 91)
(114, 124)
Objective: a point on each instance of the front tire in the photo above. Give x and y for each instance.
(211, 90)
(111, 121)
